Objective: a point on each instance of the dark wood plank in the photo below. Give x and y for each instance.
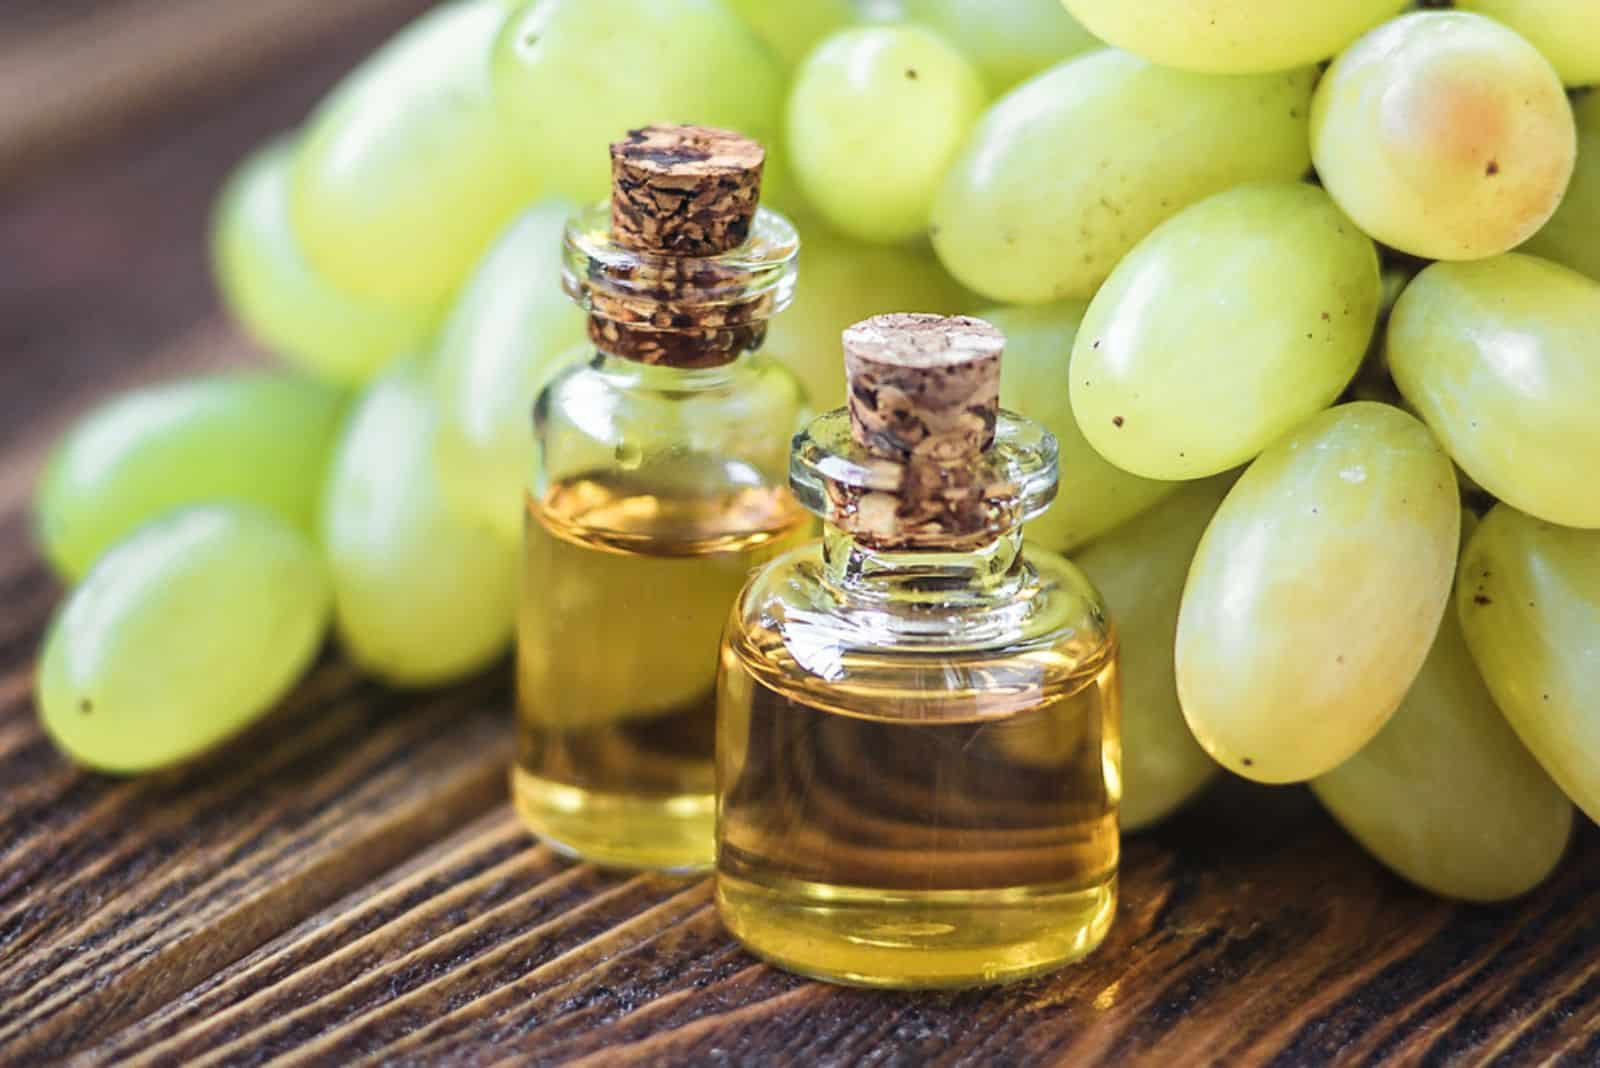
(474, 870)
(1251, 932)
(1296, 953)
(70, 76)
(31, 18)
(119, 896)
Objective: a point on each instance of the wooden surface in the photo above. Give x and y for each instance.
(347, 886)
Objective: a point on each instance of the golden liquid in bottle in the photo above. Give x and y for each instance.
(875, 835)
(627, 583)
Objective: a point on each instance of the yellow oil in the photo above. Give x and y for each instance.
(627, 582)
(878, 832)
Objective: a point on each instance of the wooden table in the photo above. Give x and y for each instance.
(347, 884)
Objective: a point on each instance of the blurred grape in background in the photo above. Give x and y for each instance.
(281, 300)
(258, 438)
(511, 329)
(407, 171)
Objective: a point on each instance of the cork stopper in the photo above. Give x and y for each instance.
(682, 199)
(923, 385)
(924, 396)
(684, 190)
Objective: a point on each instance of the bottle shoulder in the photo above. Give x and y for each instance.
(1053, 596)
(622, 387)
(604, 414)
(795, 630)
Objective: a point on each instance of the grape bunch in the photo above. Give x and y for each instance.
(1309, 294)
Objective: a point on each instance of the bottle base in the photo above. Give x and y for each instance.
(674, 834)
(938, 939)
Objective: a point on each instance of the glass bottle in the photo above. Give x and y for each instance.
(658, 484)
(918, 754)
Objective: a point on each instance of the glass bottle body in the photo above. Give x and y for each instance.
(918, 760)
(654, 493)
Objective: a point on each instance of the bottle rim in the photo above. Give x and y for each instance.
(1017, 476)
(744, 286)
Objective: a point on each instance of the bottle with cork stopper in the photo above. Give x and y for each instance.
(918, 749)
(657, 484)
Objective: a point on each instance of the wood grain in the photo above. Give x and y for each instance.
(162, 881)
(1251, 933)
(347, 885)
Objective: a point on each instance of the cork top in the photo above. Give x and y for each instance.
(682, 268)
(923, 386)
(684, 190)
(924, 405)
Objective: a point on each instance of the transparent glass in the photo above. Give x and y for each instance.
(918, 752)
(654, 491)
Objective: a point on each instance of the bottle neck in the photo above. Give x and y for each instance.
(688, 312)
(659, 377)
(945, 575)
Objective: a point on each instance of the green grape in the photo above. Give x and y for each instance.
(1066, 174)
(1249, 37)
(1094, 496)
(1140, 569)
(1566, 31)
(573, 75)
(180, 636)
(841, 283)
(792, 29)
(512, 327)
(1572, 236)
(1228, 326)
(875, 117)
(1316, 593)
(267, 283)
(1499, 357)
(1008, 40)
(1444, 135)
(422, 595)
(1529, 600)
(405, 174)
(263, 439)
(1445, 794)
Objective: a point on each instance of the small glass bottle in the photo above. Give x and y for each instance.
(918, 755)
(658, 484)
